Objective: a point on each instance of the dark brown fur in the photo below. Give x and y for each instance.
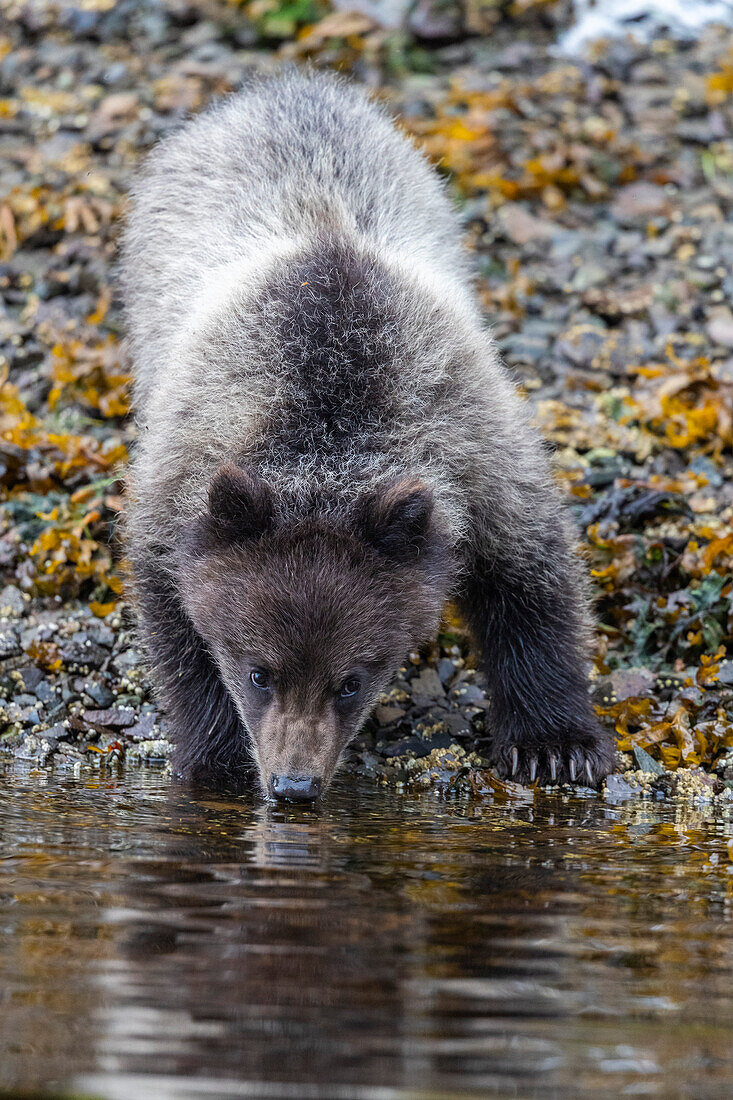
(313, 604)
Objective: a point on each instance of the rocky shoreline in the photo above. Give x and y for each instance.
(597, 195)
(97, 714)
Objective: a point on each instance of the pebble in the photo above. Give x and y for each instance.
(99, 693)
(9, 641)
(12, 602)
(427, 685)
(117, 717)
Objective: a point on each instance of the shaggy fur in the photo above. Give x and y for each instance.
(329, 446)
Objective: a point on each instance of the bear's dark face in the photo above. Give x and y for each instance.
(308, 621)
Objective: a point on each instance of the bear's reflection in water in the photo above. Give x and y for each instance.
(338, 945)
(376, 940)
(162, 943)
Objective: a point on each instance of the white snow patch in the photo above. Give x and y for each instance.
(643, 19)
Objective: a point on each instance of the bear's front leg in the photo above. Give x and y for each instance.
(210, 739)
(526, 612)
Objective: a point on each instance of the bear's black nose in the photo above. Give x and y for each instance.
(295, 788)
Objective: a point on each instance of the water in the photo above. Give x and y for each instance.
(158, 945)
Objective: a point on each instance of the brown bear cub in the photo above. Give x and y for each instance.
(329, 449)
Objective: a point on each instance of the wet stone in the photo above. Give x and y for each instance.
(468, 694)
(45, 692)
(35, 747)
(117, 717)
(519, 347)
(446, 670)
(387, 715)
(618, 789)
(9, 641)
(152, 751)
(639, 201)
(100, 634)
(80, 651)
(432, 720)
(23, 699)
(725, 673)
(97, 692)
(724, 766)
(39, 632)
(426, 685)
(12, 601)
(142, 729)
(458, 724)
(720, 327)
(129, 658)
(631, 681)
(646, 762)
(72, 752)
(54, 711)
(416, 745)
(31, 676)
(56, 732)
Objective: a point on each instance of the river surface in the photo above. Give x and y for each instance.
(158, 945)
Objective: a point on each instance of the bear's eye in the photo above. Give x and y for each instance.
(261, 679)
(349, 688)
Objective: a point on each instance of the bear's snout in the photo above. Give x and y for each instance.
(296, 788)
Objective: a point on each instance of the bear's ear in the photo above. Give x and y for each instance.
(240, 509)
(395, 519)
(240, 505)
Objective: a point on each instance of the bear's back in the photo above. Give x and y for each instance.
(285, 160)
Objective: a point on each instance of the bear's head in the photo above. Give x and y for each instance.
(307, 620)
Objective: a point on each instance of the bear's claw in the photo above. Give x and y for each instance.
(550, 766)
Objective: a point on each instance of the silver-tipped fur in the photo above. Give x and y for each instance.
(299, 305)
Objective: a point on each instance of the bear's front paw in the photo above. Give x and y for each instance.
(585, 760)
